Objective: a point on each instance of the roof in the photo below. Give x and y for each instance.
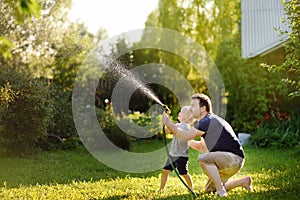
(259, 20)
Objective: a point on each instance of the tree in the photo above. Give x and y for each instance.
(21, 10)
(208, 22)
(32, 43)
(205, 22)
(251, 90)
(291, 65)
(76, 43)
(50, 49)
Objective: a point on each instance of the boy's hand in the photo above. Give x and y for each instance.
(166, 119)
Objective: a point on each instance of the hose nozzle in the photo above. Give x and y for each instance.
(168, 111)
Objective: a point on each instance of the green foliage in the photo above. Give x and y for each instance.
(39, 39)
(291, 65)
(251, 90)
(21, 10)
(151, 124)
(35, 41)
(78, 175)
(278, 133)
(207, 22)
(140, 119)
(76, 43)
(111, 129)
(5, 47)
(120, 137)
(25, 8)
(24, 112)
(7, 96)
(61, 122)
(51, 48)
(292, 62)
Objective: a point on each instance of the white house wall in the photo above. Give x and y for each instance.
(259, 20)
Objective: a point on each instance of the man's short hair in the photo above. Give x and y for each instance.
(204, 100)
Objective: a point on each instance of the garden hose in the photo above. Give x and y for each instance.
(168, 111)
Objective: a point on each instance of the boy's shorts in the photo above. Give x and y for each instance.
(227, 163)
(181, 163)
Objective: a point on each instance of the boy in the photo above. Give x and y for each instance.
(179, 150)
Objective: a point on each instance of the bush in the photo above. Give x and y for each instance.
(24, 112)
(250, 90)
(111, 129)
(62, 123)
(153, 125)
(278, 133)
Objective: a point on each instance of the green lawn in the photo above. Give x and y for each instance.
(77, 175)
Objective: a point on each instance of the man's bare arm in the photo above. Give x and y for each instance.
(184, 135)
(198, 145)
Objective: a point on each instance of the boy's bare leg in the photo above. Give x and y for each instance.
(188, 180)
(245, 182)
(164, 178)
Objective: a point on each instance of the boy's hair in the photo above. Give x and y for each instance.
(190, 117)
(204, 100)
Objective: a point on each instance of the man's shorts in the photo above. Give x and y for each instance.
(181, 163)
(227, 163)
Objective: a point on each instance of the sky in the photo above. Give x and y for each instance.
(116, 16)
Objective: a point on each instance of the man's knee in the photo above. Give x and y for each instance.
(201, 163)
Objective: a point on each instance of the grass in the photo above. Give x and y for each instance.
(78, 175)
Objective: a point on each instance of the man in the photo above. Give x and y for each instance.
(226, 155)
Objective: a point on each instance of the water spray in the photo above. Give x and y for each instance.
(118, 68)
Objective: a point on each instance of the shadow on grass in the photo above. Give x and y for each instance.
(173, 197)
(279, 194)
(57, 167)
(200, 196)
(288, 194)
